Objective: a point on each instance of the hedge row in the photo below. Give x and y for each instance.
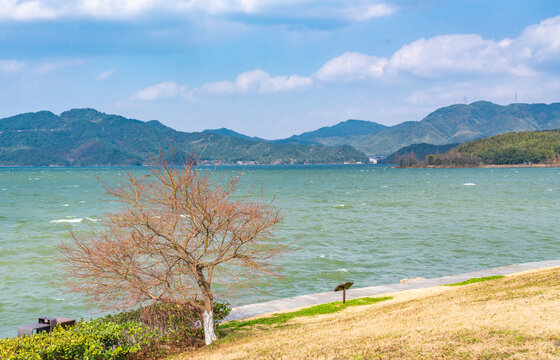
(147, 332)
(92, 340)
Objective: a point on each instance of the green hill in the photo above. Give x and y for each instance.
(420, 151)
(342, 133)
(89, 137)
(515, 148)
(534, 147)
(452, 124)
(235, 134)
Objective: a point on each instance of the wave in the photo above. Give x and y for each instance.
(78, 220)
(342, 270)
(92, 219)
(469, 184)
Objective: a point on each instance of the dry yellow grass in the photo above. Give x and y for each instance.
(516, 317)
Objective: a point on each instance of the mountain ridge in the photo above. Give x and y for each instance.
(455, 123)
(89, 137)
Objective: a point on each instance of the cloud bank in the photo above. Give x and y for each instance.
(457, 55)
(350, 10)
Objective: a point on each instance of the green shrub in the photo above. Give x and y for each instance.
(92, 340)
(147, 332)
(178, 322)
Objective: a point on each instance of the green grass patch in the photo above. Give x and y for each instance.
(475, 280)
(310, 311)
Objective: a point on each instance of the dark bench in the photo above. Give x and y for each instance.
(44, 324)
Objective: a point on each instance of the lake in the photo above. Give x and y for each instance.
(369, 224)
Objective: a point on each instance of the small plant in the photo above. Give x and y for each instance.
(475, 280)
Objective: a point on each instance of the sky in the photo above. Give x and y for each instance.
(274, 68)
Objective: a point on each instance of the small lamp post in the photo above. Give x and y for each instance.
(343, 286)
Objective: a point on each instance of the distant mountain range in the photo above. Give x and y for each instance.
(452, 124)
(88, 137)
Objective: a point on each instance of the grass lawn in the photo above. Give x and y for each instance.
(511, 317)
(475, 280)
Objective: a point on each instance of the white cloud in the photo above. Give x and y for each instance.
(218, 87)
(105, 75)
(10, 66)
(119, 9)
(251, 80)
(259, 81)
(352, 66)
(454, 54)
(353, 10)
(51, 66)
(541, 42)
(167, 89)
(446, 58)
(285, 83)
(29, 10)
(368, 12)
(458, 53)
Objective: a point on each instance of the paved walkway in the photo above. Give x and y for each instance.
(246, 311)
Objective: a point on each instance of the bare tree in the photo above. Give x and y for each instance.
(178, 234)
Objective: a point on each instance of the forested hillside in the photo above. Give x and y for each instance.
(515, 148)
(88, 137)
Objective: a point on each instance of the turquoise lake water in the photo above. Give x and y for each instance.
(372, 225)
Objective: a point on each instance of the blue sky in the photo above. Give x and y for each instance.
(273, 68)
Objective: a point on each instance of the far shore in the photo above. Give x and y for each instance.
(521, 166)
(488, 166)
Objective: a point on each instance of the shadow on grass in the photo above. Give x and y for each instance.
(310, 311)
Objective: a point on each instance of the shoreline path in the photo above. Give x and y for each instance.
(291, 303)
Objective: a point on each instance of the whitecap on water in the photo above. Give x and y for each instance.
(469, 184)
(78, 220)
(92, 219)
(82, 202)
(322, 256)
(384, 186)
(342, 270)
(339, 206)
(66, 205)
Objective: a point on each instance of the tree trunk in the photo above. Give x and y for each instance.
(208, 314)
(209, 334)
